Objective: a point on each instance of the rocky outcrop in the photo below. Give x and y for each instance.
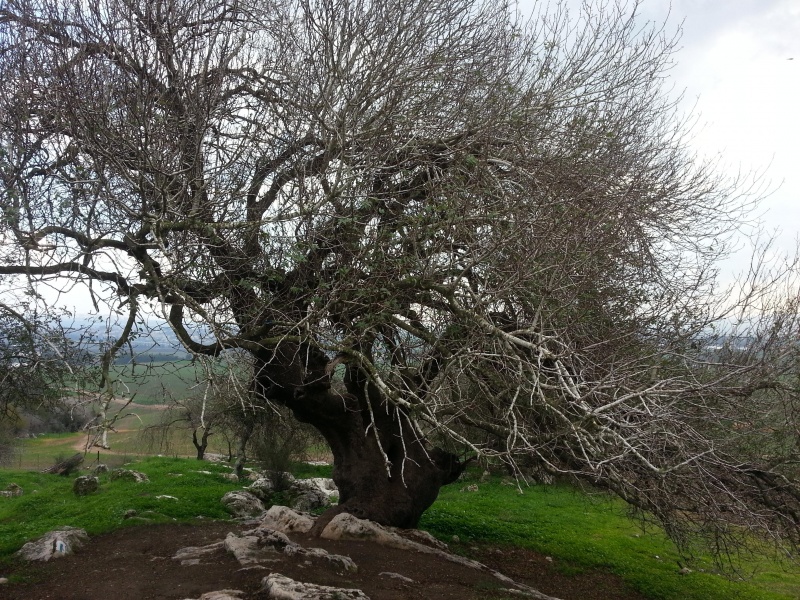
(305, 494)
(242, 504)
(347, 527)
(54, 544)
(279, 587)
(261, 544)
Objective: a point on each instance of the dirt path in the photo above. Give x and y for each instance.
(135, 563)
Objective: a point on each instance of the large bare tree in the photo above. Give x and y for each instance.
(431, 223)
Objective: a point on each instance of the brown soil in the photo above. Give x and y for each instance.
(135, 563)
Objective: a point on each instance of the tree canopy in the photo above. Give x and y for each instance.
(438, 228)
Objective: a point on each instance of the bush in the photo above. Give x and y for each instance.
(277, 443)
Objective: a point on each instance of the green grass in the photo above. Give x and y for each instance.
(591, 532)
(48, 501)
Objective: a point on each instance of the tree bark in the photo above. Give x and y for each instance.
(385, 472)
(201, 444)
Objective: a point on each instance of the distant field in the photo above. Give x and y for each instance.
(129, 441)
(156, 383)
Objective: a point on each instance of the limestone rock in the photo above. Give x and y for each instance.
(247, 549)
(242, 504)
(3, 580)
(193, 555)
(222, 595)
(262, 488)
(54, 544)
(129, 475)
(398, 576)
(338, 561)
(347, 527)
(286, 520)
(261, 544)
(85, 485)
(100, 469)
(423, 537)
(279, 587)
(308, 496)
(328, 486)
(11, 491)
(215, 458)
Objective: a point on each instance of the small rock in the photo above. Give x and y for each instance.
(129, 514)
(129, 475)
(470, 488)
(3, 580)
(548, 558)
(242, 504)
(194, 555)
(286, 520)
(222, 595)
(215, 458)
(165, 497)
(485, 476)
(85, 485)
(684, 571)
(391, 575)
(100, 469)
(11, 491)
(456, 539)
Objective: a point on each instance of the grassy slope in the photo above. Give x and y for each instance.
(583, 532)
(579, 531)
(48, 501)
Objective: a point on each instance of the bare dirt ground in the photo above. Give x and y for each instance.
(135, 563)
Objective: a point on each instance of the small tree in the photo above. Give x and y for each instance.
(41, 372)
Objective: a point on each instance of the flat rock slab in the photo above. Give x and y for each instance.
(279, 587)
(222, 595)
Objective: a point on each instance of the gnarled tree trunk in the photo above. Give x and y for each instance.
(385, 471)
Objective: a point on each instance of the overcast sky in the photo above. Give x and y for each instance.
(739, 68)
